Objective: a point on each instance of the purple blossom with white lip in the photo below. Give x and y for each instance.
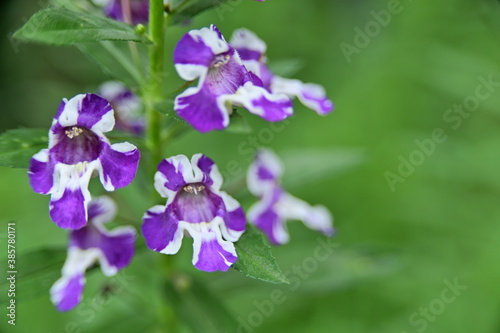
(126, 104)
(276, 206)
(223, 82)
(78, 149)
(196, 206)
(113, 249)
(252, 52)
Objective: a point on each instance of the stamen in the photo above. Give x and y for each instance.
(73, 132)
(194, 189)
(221, 60)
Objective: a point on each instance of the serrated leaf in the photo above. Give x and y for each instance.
(19, 145)
(189, 10)
(255, 259)
(197, 307)
(36, 272)
(60, 26)
(306, 166)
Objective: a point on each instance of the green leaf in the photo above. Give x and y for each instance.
(188, 10)
(19, 145)
(255, 259)
(36, 272)
(197, 307)
(307, 166)
(60, 26)
(286, 67)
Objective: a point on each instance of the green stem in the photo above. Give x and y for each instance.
(154, 86)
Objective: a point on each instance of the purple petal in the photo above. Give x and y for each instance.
(235, 221)
(264, 173)
(95, 110)
(248, 45)
(69, 211)
(211, 174)
(311, 95)
(161, 230)
(118, 247)
(173, 173)
(67, 292)
(211, 253)
(201, 110)
(119, 165)
(41, 172)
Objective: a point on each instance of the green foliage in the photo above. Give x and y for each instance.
(197, 307)
(255, 259)
(36, 272)
(189, 9)
(60, 26)
(19, 145)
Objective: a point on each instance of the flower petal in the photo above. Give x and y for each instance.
(257, 100)
(266, 218)
(88, 110)
(119, 164)
(248, 45)
(101, 210)
(200, 108)
(205, 168)
(41, 173)
(117, 248)
(264, 172)
(210, 252)
(311, 95)
(173, 173)
(315, 217)
(235, 221)
(161, 231)
(67, 292)
(68, 206)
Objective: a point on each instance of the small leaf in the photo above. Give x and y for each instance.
(60, 26)
(307, 166)
(36, 272)
(197, 307)
(286, 67)
(19, 145)
(255, 259)
(189, 10)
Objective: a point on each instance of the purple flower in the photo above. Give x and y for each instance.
(276, 206)
(93, 243)
(196, 206)
(223, 82)
(138, 11)
(252, 52)
(126, 104)
(78, 149)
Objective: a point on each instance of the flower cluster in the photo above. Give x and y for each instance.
(228, 75)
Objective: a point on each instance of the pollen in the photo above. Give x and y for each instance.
(194, 188)
(73, 132)
(221, 61)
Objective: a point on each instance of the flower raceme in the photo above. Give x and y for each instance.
(77, 149)
(252, 51)
(196, 206)
(276, 206)
(223, 82)
(113, 249)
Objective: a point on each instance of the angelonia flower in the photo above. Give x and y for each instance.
(195, 206)
(78, 149)
(252, 51)
(223, 82)
(138, 11)
(126, 104)
(275, 206)
(113, 249)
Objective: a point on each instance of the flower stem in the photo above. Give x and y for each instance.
(154, 85)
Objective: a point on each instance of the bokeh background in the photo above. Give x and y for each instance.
(398, 248)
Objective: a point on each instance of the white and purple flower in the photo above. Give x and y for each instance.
(126, 104)
(223, 82)
(252, 52)
(196, 206)
(78, 149)
(276, 206)
(113, 249)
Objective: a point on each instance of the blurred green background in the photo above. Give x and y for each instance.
(397, 248)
